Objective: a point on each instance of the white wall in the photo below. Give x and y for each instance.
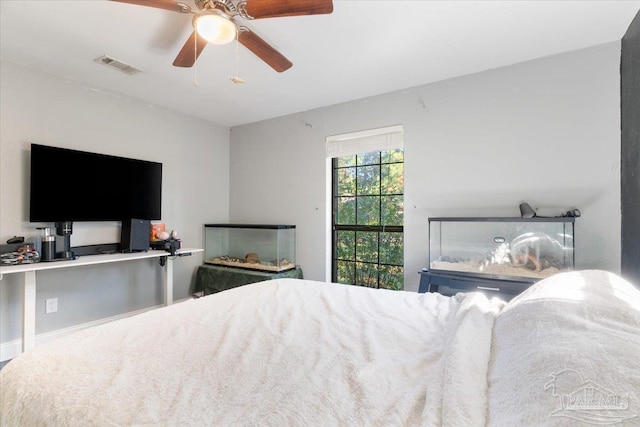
(546, 131)
(37, 107)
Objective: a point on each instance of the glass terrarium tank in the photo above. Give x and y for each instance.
(526, 248)
(252, 246)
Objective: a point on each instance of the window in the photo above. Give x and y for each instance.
(367, 223)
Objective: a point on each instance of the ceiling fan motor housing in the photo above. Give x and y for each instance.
(201, 4)
(226, 6)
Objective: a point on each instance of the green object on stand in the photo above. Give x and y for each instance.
(213, 278)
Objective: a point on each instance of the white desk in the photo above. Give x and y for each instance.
(29, 281)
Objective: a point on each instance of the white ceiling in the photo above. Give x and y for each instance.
(364, 48)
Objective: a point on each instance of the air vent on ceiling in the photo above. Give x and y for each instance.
(118, 65)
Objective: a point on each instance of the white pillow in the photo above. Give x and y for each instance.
(567, 352)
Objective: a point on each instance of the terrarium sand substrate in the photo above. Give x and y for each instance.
(251, 261)
(469, 266)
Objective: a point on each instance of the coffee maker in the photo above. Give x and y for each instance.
(65, 229)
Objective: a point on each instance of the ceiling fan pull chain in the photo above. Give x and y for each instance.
(237, 54)
(237, 79)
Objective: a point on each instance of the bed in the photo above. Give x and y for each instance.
(299, 352)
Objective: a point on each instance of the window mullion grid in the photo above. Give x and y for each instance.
(334, 214)
(379, 212)
(357, 229)
(355, 237)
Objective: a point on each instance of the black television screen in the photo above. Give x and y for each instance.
(71, 185)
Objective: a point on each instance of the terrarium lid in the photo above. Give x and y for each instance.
(506, 219)
(261, 226)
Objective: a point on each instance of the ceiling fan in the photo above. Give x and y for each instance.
(215, 22)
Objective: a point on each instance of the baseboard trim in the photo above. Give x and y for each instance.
(11, 349)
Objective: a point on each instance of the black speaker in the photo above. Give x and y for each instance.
(135, 235)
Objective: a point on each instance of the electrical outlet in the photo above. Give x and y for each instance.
(51, 305)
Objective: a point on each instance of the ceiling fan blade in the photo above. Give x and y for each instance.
(273, 8)
(160, 4)
(263, 50)
(190, 51)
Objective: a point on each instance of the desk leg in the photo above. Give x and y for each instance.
(168, 283)
(29, 311)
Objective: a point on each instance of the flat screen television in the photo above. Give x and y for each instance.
(71, 185)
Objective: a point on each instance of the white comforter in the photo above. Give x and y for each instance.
(282, 352)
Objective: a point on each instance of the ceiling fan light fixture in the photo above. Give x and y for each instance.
(215, 28)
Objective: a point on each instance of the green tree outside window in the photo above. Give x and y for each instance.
(368, 212)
